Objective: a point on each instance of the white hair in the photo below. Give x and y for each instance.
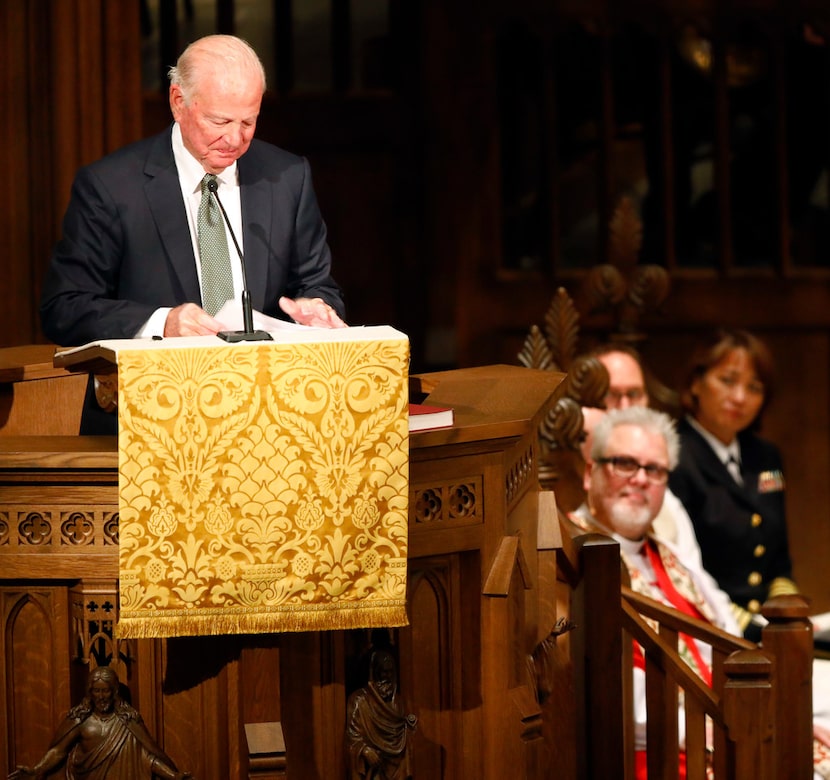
(641, 417)
(213, 53)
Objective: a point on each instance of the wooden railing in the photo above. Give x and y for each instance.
(739, 704)
(756, 719)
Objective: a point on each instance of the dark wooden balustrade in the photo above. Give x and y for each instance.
(759, 705)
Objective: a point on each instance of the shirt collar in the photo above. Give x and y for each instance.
(190, 169)
(631, 547)
(723, 451)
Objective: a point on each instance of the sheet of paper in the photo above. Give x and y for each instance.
(230, 315)
(291, 333)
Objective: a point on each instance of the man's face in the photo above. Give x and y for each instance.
(219, 122)
(627, 505)
(627, 386)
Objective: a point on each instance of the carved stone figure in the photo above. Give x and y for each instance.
(377, 732)
(104, 738)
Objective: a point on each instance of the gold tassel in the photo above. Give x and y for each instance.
(219, 624)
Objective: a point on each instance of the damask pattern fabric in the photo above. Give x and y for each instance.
(263, 487)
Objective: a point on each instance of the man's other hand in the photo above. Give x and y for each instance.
(314, 312)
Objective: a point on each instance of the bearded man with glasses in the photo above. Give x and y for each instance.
(632, 453)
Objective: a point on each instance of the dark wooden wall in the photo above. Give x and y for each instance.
(71, 91)
(478, 169)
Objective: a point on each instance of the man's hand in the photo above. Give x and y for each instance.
(314, 312)
(190, 320)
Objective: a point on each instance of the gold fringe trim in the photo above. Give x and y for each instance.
(183, 624)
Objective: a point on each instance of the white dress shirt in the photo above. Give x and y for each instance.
(191, 174)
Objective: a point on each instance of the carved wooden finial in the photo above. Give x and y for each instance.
(621, 284)
(562, 328)
(625, 236)
(536, 353)
(562, 427)
(557, 348)
(588, 381)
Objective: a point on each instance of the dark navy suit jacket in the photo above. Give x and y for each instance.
(126, 248)
(741, 530)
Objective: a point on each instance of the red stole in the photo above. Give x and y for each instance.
(680, 603)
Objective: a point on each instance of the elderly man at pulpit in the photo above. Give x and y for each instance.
(145, 251)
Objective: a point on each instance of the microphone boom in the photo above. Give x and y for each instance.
(248, 333)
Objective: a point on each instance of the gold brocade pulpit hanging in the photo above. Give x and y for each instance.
(263, 486)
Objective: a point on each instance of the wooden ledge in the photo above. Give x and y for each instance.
(59, 452)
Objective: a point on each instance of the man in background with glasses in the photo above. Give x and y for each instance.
(626, 378)
(632, 453)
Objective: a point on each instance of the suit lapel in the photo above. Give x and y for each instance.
(708, 462)
(712, 468)
(164, 197)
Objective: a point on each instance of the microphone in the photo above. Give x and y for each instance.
(248, 334)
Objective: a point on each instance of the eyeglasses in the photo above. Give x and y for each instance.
(613, 398)
(625, 467)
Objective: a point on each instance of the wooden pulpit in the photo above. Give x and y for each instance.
(274, 704)
(36, 398)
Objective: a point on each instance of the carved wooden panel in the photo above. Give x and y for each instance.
(462, 660)
(431, 680)
(519, 472)
(35, 674)
(454, 502)
(313, 703)
(94, 609)
(203, 698)
(59, 523)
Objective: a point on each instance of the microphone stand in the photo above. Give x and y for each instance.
(248, 333)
